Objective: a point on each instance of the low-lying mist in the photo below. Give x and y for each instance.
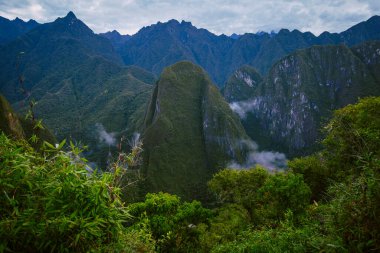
(243, 107)
(271, 160)
(104, 136)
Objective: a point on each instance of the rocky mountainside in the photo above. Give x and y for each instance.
(157, 46)
(190, 132)
(301, 90)
(11, 29)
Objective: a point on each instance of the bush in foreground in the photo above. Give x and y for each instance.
(51, 203)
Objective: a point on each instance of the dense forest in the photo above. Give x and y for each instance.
(325, 202)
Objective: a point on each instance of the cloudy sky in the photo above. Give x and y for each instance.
(218, 16)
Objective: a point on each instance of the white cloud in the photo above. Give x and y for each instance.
(218, 16)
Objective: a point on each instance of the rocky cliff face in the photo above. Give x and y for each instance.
(190, 132)
(301, 91)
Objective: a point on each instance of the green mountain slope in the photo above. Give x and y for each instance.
(301, 91)
(78, 81)
(190, 132)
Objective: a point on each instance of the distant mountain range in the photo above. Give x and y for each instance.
(157, 46)
(162, 44)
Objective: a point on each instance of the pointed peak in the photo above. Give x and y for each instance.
(17, 19)
(115, 32)
(32, 21)
(71, 15)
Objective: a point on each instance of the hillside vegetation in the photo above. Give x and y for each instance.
(326, 202)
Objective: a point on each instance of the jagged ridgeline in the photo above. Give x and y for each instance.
(288, 108)
(190, 132)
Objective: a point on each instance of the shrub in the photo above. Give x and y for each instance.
(52, 203)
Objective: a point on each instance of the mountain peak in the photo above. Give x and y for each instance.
(70, 15)
(173, 21)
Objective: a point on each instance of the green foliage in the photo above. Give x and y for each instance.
(353, 136)
(354, 210)
(52, 203)
(238, 186)
(173, 224)
(315, 173)
(282, 192)
(287, 237)
(266, 196)
(228, 222)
